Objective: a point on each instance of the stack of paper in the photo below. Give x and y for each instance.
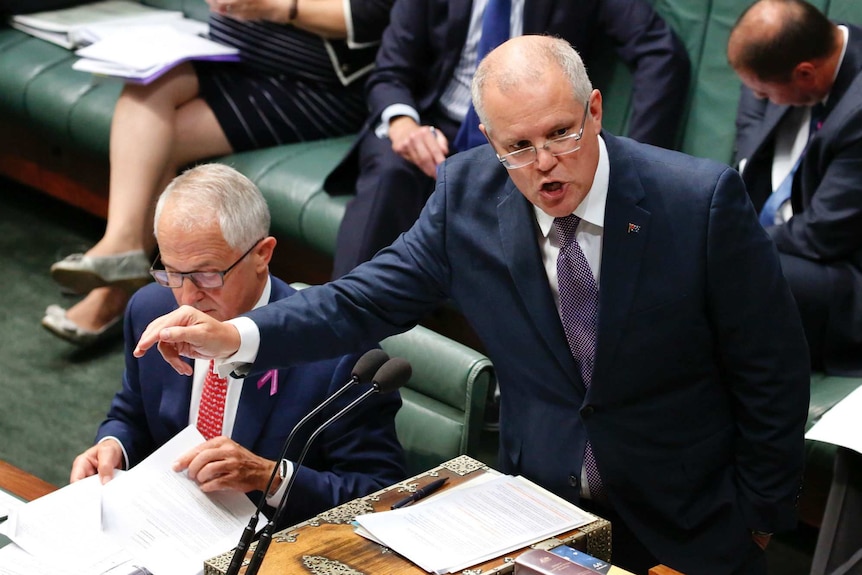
(464, 527)
(143, 53)
(841, 425)
(147, 520)
(68, 27)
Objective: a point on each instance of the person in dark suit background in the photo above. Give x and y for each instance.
(799, 149)
(213, 218)
(419, 92)
(692, 389)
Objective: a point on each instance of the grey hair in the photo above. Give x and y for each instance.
(216, 192)
(529, 67)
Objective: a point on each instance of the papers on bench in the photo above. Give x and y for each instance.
(841, 425)
(472, 524)
(143, 53)
(68, 27)
(149, 516)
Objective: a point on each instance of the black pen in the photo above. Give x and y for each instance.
(421, 493)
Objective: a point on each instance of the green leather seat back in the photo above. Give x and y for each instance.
(444, 402)
(290, 177)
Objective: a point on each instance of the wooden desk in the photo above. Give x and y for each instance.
(662, 570)
(22, 484)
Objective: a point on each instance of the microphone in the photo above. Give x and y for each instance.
(366, 366)
(391, 375)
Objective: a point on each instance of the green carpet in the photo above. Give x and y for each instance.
(52, 395)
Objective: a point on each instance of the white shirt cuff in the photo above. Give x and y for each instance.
(382, 129)
(249, 346)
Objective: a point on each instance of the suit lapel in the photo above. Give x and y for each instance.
(175, 399)
(255, 401)
(536, 17)
(624, 238)
(458, 20)
(521, 253)
(255, 405)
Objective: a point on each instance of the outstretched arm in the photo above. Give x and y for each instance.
(187, 332)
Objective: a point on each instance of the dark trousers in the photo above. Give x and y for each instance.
(390, 194)
(811, 286)
(629, 553)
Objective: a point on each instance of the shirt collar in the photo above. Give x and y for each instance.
(592, 208)
(264, 296)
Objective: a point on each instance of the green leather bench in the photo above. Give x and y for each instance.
(444, 401)
(55, 122)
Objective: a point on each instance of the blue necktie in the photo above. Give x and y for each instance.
(782, 193)
(495, 31)
(579, 310)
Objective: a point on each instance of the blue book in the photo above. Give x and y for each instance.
(582, 559)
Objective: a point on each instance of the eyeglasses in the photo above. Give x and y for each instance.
(203, 280)
(568, 144)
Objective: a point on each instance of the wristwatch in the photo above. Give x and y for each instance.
(283, 466)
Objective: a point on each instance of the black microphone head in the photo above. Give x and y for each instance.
(392, 375)
(367, 365)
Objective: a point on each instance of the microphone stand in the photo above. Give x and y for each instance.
(266, 534)
(374, 357)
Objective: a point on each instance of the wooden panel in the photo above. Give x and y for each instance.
(662, 570)
(21, 484)
(72, 176)
(328, 544)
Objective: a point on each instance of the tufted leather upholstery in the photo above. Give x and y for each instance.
(444, 401)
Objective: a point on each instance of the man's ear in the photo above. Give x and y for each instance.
(264, 251)
(805, 75)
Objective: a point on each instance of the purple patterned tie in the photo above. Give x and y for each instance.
(579, 310)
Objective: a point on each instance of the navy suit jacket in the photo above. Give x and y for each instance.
(424, 40)
(700, 391)
(827, 223)
(356, 455)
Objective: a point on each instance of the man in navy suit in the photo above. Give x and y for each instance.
(799, 148)
(212, 227)
(698, 393)
(419, 92)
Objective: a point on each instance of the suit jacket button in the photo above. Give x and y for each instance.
(587, 411)
(574, 481)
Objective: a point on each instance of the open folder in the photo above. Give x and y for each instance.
(68, 27)
(143, 53)
(467, 526)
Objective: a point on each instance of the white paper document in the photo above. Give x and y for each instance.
(66, 27)
(150, 517)
(464, 527)
(142, 53)
(841, 425)
(7, 504)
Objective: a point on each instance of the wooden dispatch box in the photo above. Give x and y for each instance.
(326, 544)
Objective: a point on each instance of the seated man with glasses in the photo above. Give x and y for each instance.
(205, 222)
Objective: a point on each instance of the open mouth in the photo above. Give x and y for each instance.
(552, 187)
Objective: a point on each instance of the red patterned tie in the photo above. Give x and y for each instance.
(579, 309)
(211, 409)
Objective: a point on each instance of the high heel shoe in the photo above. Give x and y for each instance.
(82, 273)
(56, 322)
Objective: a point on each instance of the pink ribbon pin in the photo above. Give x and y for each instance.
(270, 376)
